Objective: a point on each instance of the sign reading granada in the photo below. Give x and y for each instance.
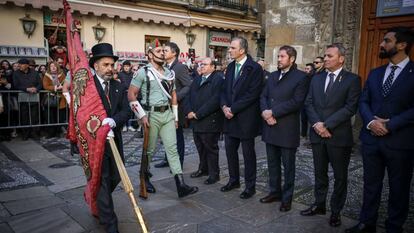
(220, 39)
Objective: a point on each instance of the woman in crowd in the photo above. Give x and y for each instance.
(55, 110)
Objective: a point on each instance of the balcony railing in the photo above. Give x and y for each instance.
(241, 5)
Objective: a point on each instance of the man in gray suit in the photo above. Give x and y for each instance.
(331, 102)
(182, 85)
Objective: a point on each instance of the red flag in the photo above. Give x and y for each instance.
(86, 113)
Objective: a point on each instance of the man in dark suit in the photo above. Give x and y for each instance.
(331, 102)
(280, 103)
(203, 109)
(387, 111)
(241, 107)
(115, 101)
(182, 84)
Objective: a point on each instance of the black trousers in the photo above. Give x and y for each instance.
(399, 166)
(339, 158)
(276, 156)
(29, 115)
(180, 143)
(249, 155)
(303, 123)
(208, 152)
(109, 180)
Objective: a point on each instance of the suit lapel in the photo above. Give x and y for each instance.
(405, 73)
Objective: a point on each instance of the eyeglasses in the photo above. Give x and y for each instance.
(204, 64)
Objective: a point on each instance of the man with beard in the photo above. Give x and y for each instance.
(240, 102)
(280, 103)
(387, 111)
(158, 113)
(319, 65)
(331, 102)
(182, 84)
(116, 105)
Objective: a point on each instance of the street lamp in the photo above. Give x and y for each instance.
(190, 37)
(99, 32)
(29, 25)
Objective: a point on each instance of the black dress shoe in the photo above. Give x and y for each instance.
(270, 198)
(362, 228)
(285, 207)
(211, 180)
(229, 186)
(335, 220)
(162, 164)
(247, 193)
(313, 210)
(198, 173)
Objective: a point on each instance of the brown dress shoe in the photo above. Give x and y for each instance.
(270, 198)
(198, 173)
(285, 207)
(335, 220)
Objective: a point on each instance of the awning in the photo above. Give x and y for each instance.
(147, 15)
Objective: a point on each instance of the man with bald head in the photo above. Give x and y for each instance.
(203, 109)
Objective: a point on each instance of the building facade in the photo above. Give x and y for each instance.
(312, 25)
(204, 26)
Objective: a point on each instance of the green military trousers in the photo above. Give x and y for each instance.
(162, 123)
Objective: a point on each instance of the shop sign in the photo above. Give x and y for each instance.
(55, 19)
(19, 51)
(219, 39)
(131, 55)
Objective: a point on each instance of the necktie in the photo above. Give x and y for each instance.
(203, 79)
(386, 87)
(281, 75)
(238, 65)
(106, 90)
(331, 81)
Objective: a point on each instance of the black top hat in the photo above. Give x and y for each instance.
(101, 50)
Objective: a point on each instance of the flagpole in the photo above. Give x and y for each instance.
(127, 184)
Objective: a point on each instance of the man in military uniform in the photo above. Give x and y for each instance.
(159, 112)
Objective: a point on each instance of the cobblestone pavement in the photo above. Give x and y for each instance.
(58, 187)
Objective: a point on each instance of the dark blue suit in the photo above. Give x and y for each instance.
(335, 108)
(242, 95)
(204, 101)
(394, 151)
(285, 98)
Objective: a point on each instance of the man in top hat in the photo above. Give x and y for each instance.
(159, 112)
(115, 103)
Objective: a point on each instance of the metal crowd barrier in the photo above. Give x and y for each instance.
(23, 110)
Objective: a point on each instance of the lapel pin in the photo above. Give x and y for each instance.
(116, 90)
(340, 78)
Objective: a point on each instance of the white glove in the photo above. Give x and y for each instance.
(67, 97)
(137, 109)
(110, 134)
(175, 112)
(110, 122)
